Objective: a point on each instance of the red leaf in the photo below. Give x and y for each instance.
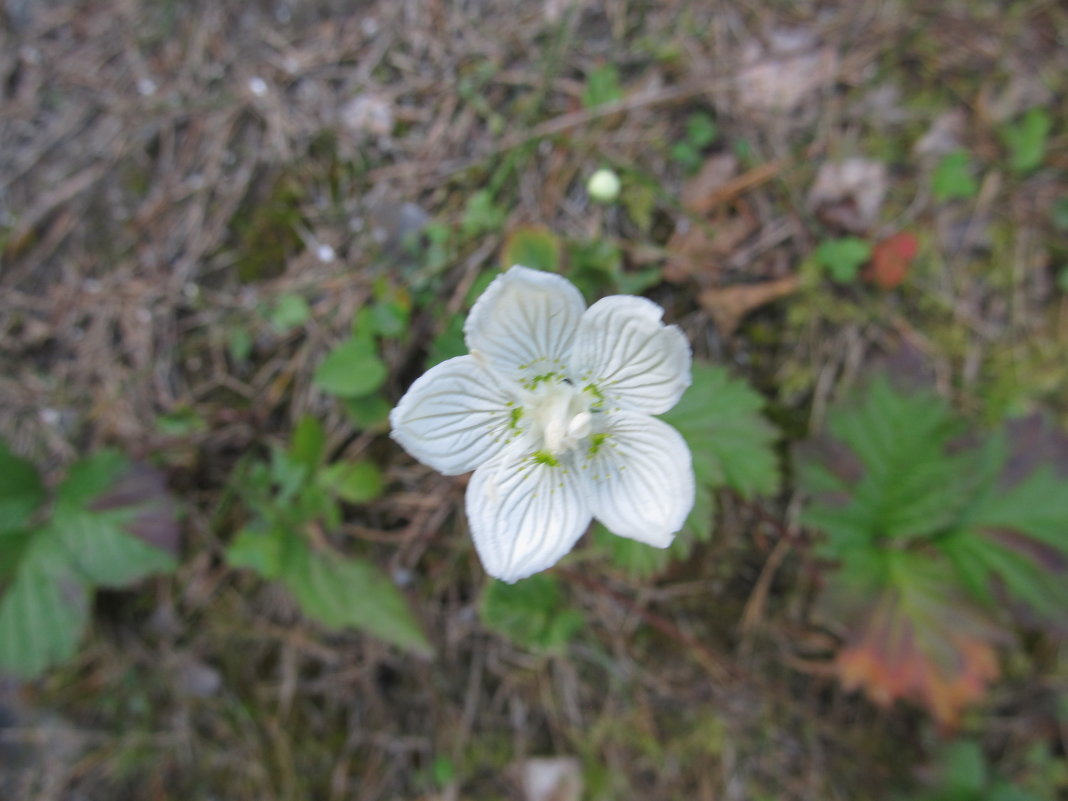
(891, 260)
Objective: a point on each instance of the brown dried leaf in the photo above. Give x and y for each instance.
(695, 249)
(778, 79)
(728, 305)
(713, 176)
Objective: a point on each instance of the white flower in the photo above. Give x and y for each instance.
(553, 409)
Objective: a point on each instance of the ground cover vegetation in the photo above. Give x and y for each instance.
(233, 235)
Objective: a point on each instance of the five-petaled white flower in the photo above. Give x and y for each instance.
(553, 409)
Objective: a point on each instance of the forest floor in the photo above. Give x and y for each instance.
(196, 200)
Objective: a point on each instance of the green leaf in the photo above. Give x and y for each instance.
(602, 86)
(340, 592)
(965, 768)
(42, 615)
(91, 476)
(389, 318)
(308, 443)
(183, 421)
(289, 312)
(239, 345)
(1059, 213)
(843, 258)
(731, 442)
(21, 490)
(1036, 506)
(910, 485)
(701, 130)
(351, 370)
(953, 177)
(56, 567)
(355, 482)
(1026, 140)
(257, 550)
(449, 343)
(532, 246)
(533, 613)
(481, 215)
(368, 412)
(101, 549)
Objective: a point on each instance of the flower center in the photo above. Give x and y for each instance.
(560, 416)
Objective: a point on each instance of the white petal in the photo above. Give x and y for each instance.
(455, 417)
(524, 324)
(630, 356)
(524, 515)
(640, 478)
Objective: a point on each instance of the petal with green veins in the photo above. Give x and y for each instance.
(526, 513)
(523, 325)
(455, 417)
(639, 478)
(629, 356)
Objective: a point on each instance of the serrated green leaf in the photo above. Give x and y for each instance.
(102, 551)
(1036, 506)
(348, 592)
(531, 612)
(21, 490)
(351, 370)
(355, 482)
(731, 442)
(843, 258)
(56, 567)
(42, 615)
(258, 550)
(911, 486)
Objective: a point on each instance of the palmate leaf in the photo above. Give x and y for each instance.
(44, 609)
(731, 442)
(897, 486)
(908, 485)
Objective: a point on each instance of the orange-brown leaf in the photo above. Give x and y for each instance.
(923, 645)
